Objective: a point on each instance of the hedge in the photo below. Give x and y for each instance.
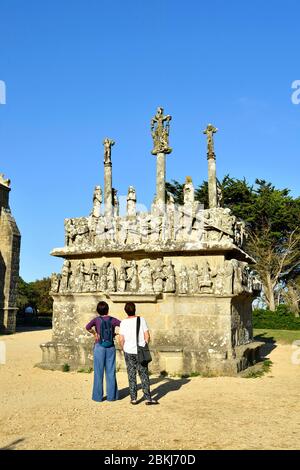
(281, 319)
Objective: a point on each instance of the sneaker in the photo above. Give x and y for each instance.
(133, 402)
(152, 402)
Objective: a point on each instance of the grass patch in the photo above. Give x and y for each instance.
(256, 373)
(66, 368)
(88, 370)
(277, 336)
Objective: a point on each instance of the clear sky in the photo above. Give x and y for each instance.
(79, 70)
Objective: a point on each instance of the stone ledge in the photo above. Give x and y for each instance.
(133, 297)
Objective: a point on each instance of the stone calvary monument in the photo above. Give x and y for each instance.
(10, 239)
(184, 266)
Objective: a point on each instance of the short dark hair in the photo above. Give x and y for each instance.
(102, 308)
(130, 309)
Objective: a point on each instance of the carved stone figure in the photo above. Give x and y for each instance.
(144, 227)
(205, 279)
(111, 278)
(237, 280)
(131, 201)
(210, 131)
(65, 276)
(55, 281)
(94, 276)
(123, 229)
(122, 277)
(108, 143)
(160, 127)
(158, 276)
(189, 192)
(170, 285)
(116, 203)
(97, 201)
(228, 277)
(70, 232)
(82, 231)
(219, 195)
(81, 274)
(219, 281)
(103, 277)
(194, 279)
(132, 277)
(183, 281)
(145, 277)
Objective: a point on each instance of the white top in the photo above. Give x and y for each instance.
(128, 330)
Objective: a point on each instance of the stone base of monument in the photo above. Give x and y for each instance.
(204, 334)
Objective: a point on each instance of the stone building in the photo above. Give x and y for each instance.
(10, 239)
(184, 266)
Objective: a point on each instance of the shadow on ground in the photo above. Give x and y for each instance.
(12, 445)
(24, 328)
(269, 343)
(169, 385)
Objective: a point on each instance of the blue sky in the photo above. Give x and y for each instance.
(79, 70)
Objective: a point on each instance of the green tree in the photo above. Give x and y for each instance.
(36, 294)
(273, 220)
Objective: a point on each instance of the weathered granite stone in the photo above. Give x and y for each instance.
(184, 266)
(10, 240)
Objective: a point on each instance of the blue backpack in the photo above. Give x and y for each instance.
(106, 333)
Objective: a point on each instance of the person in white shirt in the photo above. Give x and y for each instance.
(127, 340)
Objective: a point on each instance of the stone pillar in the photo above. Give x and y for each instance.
(211, 157)
(212, 181)
(161, 179)
(9, 261)
(108, 193)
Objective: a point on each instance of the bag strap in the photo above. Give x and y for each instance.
(138, 321)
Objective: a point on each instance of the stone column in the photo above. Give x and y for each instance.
(211, 157)
(108, 193)
(161, 179)
(108, 190)
(212, 181)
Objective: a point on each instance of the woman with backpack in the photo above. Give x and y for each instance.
(104, 353)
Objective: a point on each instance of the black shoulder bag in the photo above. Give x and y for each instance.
(143, 353)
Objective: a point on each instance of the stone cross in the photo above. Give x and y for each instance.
(108, 143)
(210, 131)
(160, 127)
(108, 192)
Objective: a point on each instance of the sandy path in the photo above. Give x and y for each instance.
(53, 410)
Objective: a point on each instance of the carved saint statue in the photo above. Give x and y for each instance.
(103, 277)
(81, 274)
(94, 276)
(146, 281)
(131, 201)
(111, 278)
(65, 276)
(160, 127)
(122, 277)
(210, 131)
(97, 200)
(194, 279)
(205, 280)
(132, 277)
(108, 143)
(183, 281)
(170, 285)
(55, 281)
(116, 202)
(158, 276)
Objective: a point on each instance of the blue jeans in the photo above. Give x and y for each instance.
(105, 359)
